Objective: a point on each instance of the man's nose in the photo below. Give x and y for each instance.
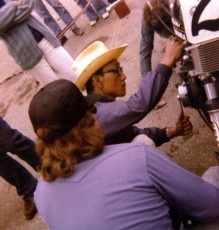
(123, 76)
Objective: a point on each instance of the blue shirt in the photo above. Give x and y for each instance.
(117, 118)
(128, 186)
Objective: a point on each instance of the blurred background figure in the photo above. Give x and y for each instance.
(97, 8)
(11, 140)
(154, 10)
(32, 45)
(66, 17)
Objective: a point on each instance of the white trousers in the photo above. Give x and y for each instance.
(141, 138)
(55, 64)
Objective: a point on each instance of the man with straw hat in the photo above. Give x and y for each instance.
(102, 76)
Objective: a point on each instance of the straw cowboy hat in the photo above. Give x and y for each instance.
(92, 59)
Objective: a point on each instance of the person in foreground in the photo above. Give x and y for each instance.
(125, 186)
(103, 78)
(50, 21)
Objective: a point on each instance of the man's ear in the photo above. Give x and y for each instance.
(97, 81)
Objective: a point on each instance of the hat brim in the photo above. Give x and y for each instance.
(98, 63)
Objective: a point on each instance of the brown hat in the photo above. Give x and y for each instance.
(58, 106)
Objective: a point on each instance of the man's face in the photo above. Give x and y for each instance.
(112, 80)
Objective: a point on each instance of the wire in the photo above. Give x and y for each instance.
(160, 19)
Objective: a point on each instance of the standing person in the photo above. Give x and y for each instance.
(32, 45)
(151, 24)
(126, 186)
(66, 17)
(97, 8)
(102, 76)
(12, 171)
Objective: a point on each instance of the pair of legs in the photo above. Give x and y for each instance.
(12, 171)
(55, 64)
(96, 9)
(41, 9)
(18, 176)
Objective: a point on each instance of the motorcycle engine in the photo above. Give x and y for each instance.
(197, 23)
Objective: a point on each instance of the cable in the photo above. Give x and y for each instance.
(160, 19)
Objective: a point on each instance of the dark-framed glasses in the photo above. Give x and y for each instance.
(118, 70)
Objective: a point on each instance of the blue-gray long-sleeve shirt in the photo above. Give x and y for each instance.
(117, 118)
(128, 186)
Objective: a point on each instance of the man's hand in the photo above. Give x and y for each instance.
(183, 127)
(173, 52)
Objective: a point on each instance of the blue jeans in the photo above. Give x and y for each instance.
(147, 46)
(66, 17)
(96, 9)
(12, 171)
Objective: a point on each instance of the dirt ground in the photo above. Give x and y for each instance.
(195, 152)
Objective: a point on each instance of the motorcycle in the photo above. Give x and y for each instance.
(196, 22)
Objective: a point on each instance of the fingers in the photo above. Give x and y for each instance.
(173, 52)
(186, 126)
(187, 129)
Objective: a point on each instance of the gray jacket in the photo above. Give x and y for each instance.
(14, 21)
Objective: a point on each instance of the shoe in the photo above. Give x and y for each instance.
(92, 23)
(160, 104)
(30, 209)
(78, 31)
(105, 15)
(63, 40)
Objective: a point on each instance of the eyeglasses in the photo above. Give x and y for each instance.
(118, 70)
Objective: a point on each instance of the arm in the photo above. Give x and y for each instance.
(184, 191)
(13, 13)
(24, 9)
(117, 115)
(146, 48)
(7, 13)
(159, 136)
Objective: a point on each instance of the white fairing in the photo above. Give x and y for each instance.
(201, 20)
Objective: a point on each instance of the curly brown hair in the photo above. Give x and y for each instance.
(59, 156)
(149, 16)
